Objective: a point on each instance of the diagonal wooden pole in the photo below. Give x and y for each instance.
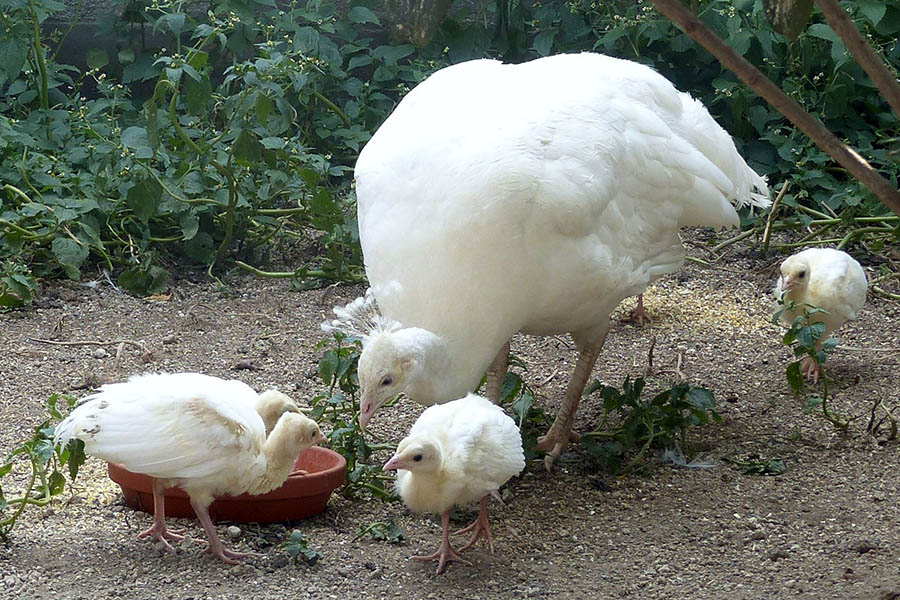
(846, 156)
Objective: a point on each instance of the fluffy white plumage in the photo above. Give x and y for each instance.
(203, 434)
(534, 197)
(457, 453)
(824, 278)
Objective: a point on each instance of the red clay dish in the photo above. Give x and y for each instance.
(301, 496)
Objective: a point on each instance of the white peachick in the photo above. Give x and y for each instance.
(200, 433)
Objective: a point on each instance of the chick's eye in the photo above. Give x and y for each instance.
(417, 458)
(387, 381)
(801, 274)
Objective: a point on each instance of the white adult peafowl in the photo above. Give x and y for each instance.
(203, 434)
(534, 197)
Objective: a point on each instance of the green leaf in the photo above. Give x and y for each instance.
(174, 22)
(143, 282)
(328, 366)
(361, 14)
(70, 255)
(13, 52)
(57, 483)
(143, 199)
(246, 148)
(136, 139)
(794, 377)
(701, 398)
(874, 10)
(200, 248)
(543, 42)
(273, 143)
(190, 224)
(197, 93)
(810, 334)
(264, 108)
(97, 58)
(75, 447)
(126, 56)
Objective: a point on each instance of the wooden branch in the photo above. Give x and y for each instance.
(759, 83)
(862, 52)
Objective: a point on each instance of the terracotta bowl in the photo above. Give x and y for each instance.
(299, 497)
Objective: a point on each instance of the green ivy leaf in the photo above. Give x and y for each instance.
(143, 199)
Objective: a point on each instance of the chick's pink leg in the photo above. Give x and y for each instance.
(810, 369)
(445, 553)
(215, 544)
(481, 527)
(159, 529)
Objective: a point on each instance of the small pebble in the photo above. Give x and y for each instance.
(100, 353)
(234, 532)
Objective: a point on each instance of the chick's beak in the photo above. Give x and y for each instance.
(321, 438)
(787, 283)
(394, 464)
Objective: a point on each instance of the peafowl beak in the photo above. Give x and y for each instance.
(367, 409)
(787, 283)
(321, 438)
(394, 464)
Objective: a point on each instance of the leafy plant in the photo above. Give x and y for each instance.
(46, 479)
(17, 287)
(386, 531)
(804, 338)
(252, 124)
(339, 405)
(297, 547)
(516, 397)
(661, 420)
(759, 466)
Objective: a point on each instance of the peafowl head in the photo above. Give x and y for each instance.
(271, 405)
(387, 365)
(794, 273)
(415, 453)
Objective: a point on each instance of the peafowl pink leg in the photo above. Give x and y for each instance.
(561, 431)
(159, 529)
(445, 553)
(481, 527)
(215, 544)
(495, 374)
(639, 314)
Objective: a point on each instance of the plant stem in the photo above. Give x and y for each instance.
(333, 108)
(859, 232)
(39, 57)
(767, 232)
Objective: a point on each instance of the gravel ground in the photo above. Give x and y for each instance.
(826, 528)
